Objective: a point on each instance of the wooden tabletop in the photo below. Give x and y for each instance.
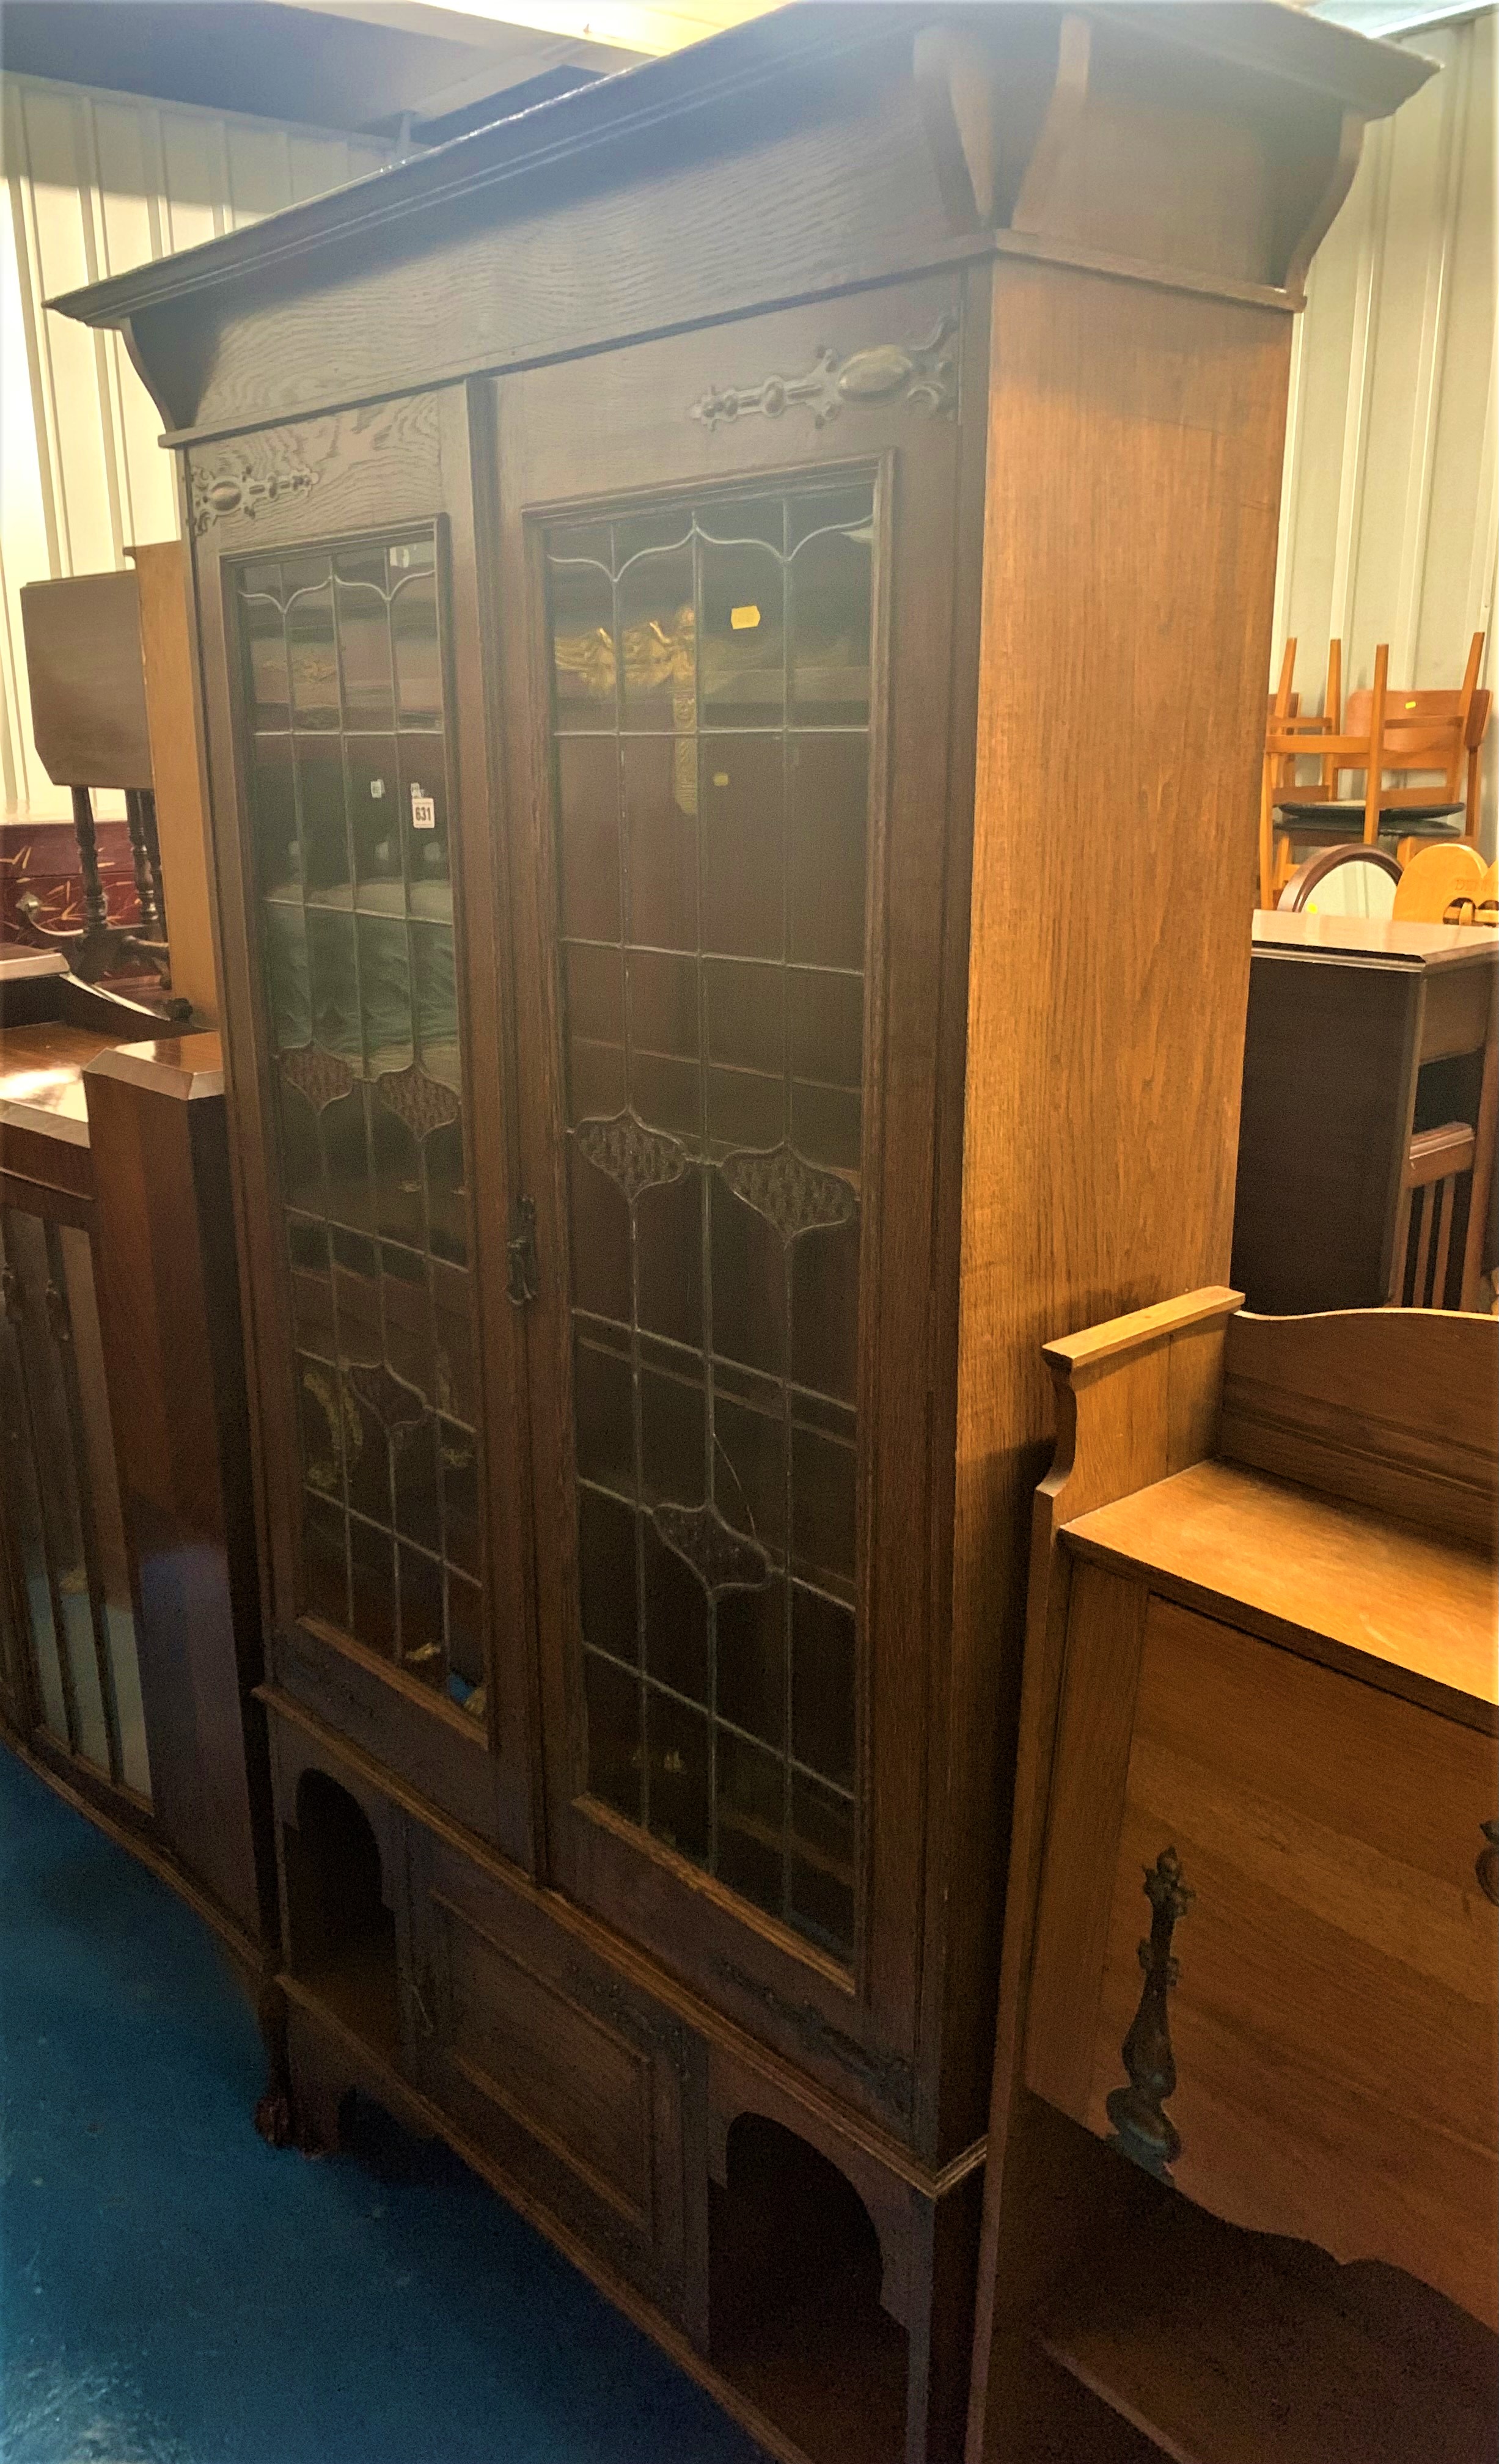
(1396, 1605)
(41, 1074)
(1373, 937)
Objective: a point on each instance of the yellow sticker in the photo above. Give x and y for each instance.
(720, 778)
(744, 619)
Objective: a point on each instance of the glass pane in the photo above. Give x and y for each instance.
(710, 663)
(268, 693)
(372, 796)
(310, 650)
(579, 576)
(272, 817)
(348, 775)
(326, 871)
(58, 1442)
(19, 1476)
(677, 1774)
(657, 620)
(819, 1864)
(831, 539)
(289, 990)
(363, 625)
(743, 589)
(413, 629)
(615, 1763)
(111, 1564)
(752, 1792)
(424, 818)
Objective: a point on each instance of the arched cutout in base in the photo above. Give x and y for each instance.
(343, 1937)
(794, 2298)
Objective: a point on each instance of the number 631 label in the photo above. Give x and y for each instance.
(424, 808)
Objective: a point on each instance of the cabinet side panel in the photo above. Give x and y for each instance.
(1135, 452)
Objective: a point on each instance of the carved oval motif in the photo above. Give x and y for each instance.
(871, 375)
(225, 494)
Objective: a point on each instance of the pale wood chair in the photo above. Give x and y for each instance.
(1439, 1159)
(1288, 734)
(1436, 881)
(1355, 880)
(1478, 904)
(1430, 739)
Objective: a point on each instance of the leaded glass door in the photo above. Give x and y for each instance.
(710, 678)
(349, 802)
(725, 755)
(347, 733)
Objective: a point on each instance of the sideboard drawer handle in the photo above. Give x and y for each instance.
(1486, 1865)
(1142, 2128)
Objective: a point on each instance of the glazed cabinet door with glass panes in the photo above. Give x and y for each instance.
(727, 574)
(352, 735)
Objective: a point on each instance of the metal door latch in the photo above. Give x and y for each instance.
(521, 1283)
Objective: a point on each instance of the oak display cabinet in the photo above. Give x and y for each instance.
(734, 613)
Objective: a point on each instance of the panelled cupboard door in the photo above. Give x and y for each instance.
(336, 582)
(559, 2068)
(727, 569)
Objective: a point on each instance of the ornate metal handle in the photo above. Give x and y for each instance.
(11, 1295)
(521, 1285)
(1143, 2129)
(1486, 1865)
(57, 1317)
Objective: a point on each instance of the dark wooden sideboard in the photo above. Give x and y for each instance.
(128, 1585)
(691, 620)
(1368, 1119)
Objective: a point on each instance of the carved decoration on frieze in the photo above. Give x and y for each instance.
(238, 487)
(890, 2077)
(921, 375)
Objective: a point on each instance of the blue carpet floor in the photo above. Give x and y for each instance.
(174, 2291)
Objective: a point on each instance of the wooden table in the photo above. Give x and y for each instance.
(1362, 1036)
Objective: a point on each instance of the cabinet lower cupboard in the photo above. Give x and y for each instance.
(694, 631)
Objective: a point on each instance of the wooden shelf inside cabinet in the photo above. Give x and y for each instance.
(1226, 2347)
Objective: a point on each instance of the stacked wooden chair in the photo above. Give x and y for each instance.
(1416, 754)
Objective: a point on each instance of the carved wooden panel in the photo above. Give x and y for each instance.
(559, 2066)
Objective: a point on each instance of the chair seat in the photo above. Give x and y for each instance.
(1332, 821)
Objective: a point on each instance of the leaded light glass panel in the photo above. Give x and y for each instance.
(349, 781)
(712, 682)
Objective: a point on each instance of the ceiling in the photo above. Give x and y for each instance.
(387, 66)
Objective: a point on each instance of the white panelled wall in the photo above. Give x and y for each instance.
(95, 183)
(1390, 519)
(1390, 516)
